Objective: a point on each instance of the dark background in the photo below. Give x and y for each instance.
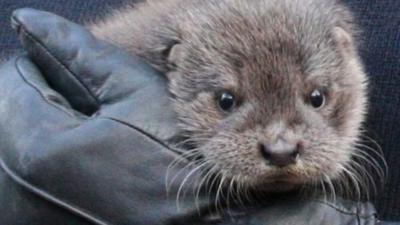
(380, 50)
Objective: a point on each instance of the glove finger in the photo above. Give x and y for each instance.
(90, 73)
(30, 110)
(87, 71)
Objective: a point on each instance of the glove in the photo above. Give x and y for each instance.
(87, 136)
(97, 151)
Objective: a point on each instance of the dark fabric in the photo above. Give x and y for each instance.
(380, 21)
(58, 165)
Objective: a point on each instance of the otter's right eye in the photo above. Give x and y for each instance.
(226, 100)
(317, 99)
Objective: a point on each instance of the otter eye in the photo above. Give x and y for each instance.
(317, 99)
(226, 100)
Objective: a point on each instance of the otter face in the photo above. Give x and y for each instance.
(275, 104)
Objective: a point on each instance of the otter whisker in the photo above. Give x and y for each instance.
(323, 189)
(331, 188)
(229, 194)
(193, 171)
(247, 191)
(383, 171)
(344, 185)
(184, 142)
(371, 162)
(370, 140)
(203, 185)
(238, 188)
(217, 177)
(354, 180)
(174, 163)
(369, 180)
(219, 194)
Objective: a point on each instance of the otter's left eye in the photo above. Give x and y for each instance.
(317, 99)
(226, 100)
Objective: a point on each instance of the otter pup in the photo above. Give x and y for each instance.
(270, 93)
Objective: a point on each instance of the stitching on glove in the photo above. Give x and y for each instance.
(47, 196)
(35, 40)
(23, 77)
(174, 151)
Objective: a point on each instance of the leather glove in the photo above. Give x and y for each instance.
(86, 136)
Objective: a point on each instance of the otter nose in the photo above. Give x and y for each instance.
(280, 153)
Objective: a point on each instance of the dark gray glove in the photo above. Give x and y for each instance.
(96, 151)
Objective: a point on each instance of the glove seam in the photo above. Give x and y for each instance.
(35, 40)
(38, 90)
(143, 132)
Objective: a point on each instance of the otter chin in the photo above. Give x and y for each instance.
(270, 93)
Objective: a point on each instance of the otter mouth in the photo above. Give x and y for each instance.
(276, 186)
(281, 180)
(284, 177)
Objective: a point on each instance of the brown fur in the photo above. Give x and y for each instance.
(272, 54)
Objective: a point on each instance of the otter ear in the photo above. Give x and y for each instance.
(343, 40)
(173, 54)
(176, 54)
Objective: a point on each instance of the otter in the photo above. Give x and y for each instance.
(271, 94)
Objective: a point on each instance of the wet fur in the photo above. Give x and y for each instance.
(272, 54)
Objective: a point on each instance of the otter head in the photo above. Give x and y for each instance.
(271, 93)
